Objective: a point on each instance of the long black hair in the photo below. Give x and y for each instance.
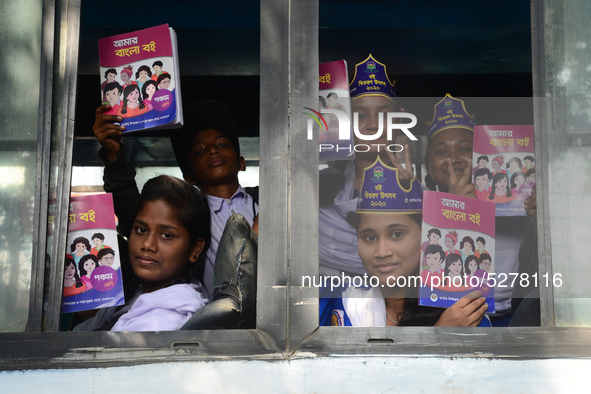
(192, 211)
(414, 314)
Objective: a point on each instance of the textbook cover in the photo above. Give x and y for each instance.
(504, 170)
(92, 269)
(457, 249)
(334, 95)
(140, 78)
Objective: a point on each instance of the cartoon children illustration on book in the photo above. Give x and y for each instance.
(481, 163)
(110, 75)
(86, 265)
(517, 180)
(482, 179)
(467, 247)
(157, 67)
(454, 269)
(97, 240)
(148, 91)
(132, 103)
(113, 94)
(496, 164)
(485, 262)
(433, 235)
(72, 283)
(512, 166)
(501, 193)
(451, 239)
(480, 244)
(163, 81)
(471, 265)
(434, 256)
(79, 248)
(143, 75)
(107, 257)
(125, 76)
(529, 163)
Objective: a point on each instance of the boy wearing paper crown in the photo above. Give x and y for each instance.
(208, 153)
(372, 96)
(449, 169)
(388, 224)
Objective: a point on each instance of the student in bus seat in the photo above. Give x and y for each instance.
(449, 169)
(340, 184)
(208, 153)
(389, 244)
(170, 233)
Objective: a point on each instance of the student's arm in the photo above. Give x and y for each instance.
(119, 175)
(468, 311)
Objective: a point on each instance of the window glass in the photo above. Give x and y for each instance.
(21, 63)
(218, 57)
(568, 115)
(428, 52)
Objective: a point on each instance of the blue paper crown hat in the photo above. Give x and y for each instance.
(381, 191)
(450, 113)
(371, 79)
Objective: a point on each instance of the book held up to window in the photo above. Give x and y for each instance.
(334, 109)
(504, 166)
(457, 249)
(92, 268)
(140, 78)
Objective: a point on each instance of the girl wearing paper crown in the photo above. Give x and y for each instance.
(388, 225)
(372, 96)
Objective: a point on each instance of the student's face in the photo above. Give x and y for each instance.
(480, 245)
(513, 166)
(482, 181)
(111, 77)
(519, 180)
(332, 100)
(112, 96)
(389, 245)
(108, 259)
(502, 184)
(434, 261)
(455, 268)
(159, 246)
(150, 89)
(133, 96)
(482, 163)
(97, 241)
(125, 77)
(453, 144)
(368, 109)
(467, 246)
(69, 271)
(157, 69)
(449, 243)
(485, 265)
(434, 239)
(532, 178)
(472, 266)
(495, 165)
(213, 159)
(80, 247)
(89, 266)
(527, 163)
(143, 74)
(165, 83)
